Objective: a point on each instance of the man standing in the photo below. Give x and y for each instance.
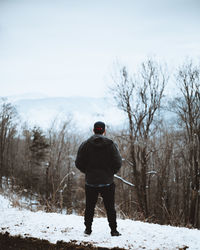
(99, 159)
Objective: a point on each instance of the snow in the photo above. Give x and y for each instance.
(135, 234)
(36, 109)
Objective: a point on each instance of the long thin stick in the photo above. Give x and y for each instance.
(126, 182)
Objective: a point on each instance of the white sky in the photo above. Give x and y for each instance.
(68, 47)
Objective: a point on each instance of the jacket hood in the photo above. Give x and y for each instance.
(99, 140)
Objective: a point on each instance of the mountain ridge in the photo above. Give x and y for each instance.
(84, 111)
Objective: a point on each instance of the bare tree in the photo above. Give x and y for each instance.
(8, 116)
(59, 172)
(140, 98)
(187, 107)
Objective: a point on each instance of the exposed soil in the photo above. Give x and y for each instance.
(19, 243)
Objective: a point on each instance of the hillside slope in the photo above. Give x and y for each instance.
(58, 227)
(83, 110)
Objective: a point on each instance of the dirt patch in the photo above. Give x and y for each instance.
(19, 243)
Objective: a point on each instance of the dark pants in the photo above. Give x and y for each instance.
(108, 195)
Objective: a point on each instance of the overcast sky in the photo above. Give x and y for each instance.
(68, 47)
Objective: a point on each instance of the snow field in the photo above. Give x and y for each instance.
(135, 234)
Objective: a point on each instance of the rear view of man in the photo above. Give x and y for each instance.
(99, 159)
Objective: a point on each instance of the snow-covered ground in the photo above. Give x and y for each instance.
(135, 234)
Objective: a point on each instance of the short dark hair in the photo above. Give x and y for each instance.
(99, 127)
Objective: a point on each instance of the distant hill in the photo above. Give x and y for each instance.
(40, 110)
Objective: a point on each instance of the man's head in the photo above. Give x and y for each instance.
(99, 128)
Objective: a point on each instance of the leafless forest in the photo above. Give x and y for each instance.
(161, 157)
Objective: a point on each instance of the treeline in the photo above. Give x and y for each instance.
(39, 162)
(161, 158)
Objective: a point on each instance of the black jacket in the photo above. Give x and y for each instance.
(99, 159)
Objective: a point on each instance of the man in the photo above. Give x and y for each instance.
(99, 159)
